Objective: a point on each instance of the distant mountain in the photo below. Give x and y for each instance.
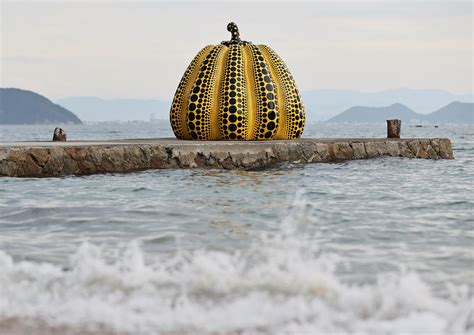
(323, 104)
(26, 107)
(455, 112)
(364, 114)
(97, 109)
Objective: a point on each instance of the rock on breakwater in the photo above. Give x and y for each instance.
(51, 159)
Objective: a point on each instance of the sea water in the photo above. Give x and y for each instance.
(381, 246)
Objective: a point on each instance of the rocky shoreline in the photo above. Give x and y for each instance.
(53, 159)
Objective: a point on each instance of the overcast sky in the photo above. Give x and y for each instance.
(141, 49)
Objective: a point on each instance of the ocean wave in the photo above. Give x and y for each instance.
(282, 284)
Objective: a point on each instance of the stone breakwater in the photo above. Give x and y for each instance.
(51, 159)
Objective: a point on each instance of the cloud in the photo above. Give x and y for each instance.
(141, 49)
(24, 59)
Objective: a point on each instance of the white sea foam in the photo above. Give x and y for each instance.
(282, 284)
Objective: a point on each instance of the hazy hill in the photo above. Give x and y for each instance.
(26, 107)
(365, 114)
(97, 109)
(455, 112)
(323, 104)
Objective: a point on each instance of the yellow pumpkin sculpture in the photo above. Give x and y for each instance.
(237, 91)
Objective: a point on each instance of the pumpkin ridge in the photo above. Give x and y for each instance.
(282, 130)
(216, 95)
(179, 106)
(294, 107)
(233, 112)
(267, 109)
(249, 92)
(200, 105)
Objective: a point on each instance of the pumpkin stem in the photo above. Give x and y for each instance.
(234, 30)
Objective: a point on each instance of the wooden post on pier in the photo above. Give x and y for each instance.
(393, 128)
(59, 135)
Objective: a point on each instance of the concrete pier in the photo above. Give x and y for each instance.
(52, 159)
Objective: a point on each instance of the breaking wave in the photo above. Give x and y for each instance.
(282, 284)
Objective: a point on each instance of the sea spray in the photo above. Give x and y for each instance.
(284, 282)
